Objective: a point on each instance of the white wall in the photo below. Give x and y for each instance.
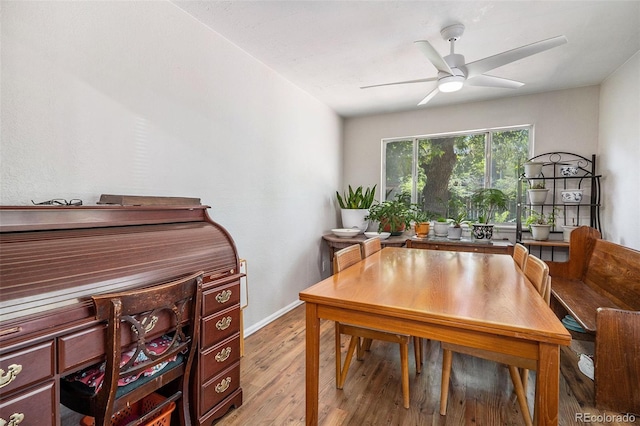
(565, 120)
(619, 153)
(139, 98)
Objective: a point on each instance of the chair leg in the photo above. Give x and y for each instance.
(363, 345)
(522, 397)
(342, 374)
(447, 357)
(404, 365)
(338, 338)
(417, 347)
(524, 376)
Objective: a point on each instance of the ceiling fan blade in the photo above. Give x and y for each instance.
(420, 80)
(433, 56)
(429, 96)
(491, 81)
(487, 64)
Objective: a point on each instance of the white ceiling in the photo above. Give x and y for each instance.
(331, 48)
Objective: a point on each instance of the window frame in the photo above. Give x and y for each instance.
(489, 132)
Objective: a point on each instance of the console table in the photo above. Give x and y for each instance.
(468, 245)
(337, 243)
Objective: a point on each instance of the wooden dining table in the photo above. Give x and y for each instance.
(473, 299)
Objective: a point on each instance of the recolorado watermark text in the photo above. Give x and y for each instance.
(604, 418)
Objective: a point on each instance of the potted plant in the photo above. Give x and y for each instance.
(537, 192)
(354, 207)
(540, 224)
(455, 230)
(422, 222)
(532, 169)
(488, 201)
(392, 215)
(441, 227)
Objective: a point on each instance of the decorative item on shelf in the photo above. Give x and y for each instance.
(540, 224)
(354, 207)
(455, 230)
(568, 171)
(374, 234)
(566, 232)
(488, 202)
(421, 219)
(533, 169)
(572, 196)
(392, 215)
(345, 232)
(537, 192)
(441, 227)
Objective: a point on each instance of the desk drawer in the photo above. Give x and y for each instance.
(219, 326)
(219, 387)
(219, 298)
(27, 366)
(221, 356)
(35, 407)
(77, 349)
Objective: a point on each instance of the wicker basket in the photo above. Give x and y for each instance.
(137, 410)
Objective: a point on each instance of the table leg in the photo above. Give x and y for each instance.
(312, 364)
(547, 385)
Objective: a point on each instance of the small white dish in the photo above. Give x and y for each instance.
(574, 196)
(381, 235)
(345, 232)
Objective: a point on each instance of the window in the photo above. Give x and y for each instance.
(442, 171)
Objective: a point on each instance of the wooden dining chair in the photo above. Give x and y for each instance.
(537, 272)
(520, 254)
(370, 246)
(150, 342)
(343, 259)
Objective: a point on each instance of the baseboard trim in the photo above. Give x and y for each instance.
(257, 326)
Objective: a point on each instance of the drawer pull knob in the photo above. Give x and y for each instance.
(223, 355)
(223, 385)
(12, 372)
(223, 296)
(14, 420)
(224, 323)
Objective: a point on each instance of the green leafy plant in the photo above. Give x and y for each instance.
(537, 218)
(458, 220)
(358, 199)
(537, 184)
(418, 215)
(392, 214)
(489, 201)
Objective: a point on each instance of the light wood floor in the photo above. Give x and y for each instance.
(273, 379)
(480, 393)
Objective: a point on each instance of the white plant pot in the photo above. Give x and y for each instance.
(566, 232)
(532, 169)
(540, 232)
(441, 229)
(537, 196)
(454, 233)
(355, 218)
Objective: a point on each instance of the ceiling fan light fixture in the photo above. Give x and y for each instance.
(451, 83)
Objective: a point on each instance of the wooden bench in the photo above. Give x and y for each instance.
(600, 287)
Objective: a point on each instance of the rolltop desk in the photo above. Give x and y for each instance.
(53, 258)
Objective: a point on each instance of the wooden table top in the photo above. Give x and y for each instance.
(476, 291)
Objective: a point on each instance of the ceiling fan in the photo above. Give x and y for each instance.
(453, 72)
